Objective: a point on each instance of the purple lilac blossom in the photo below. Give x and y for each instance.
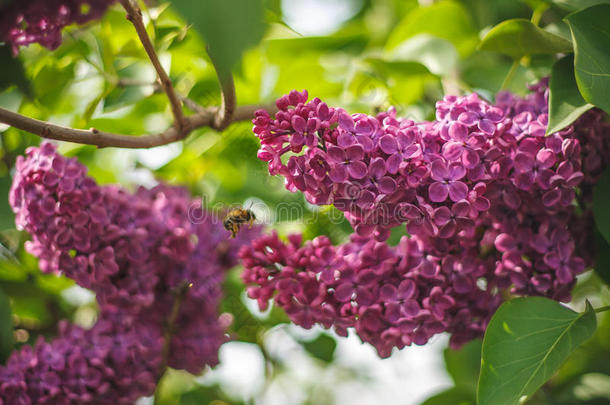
(489, 203)
(134, 251)
(26, 22)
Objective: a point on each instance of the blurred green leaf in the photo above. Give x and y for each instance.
(274, 6)
(565, 102)
(520, 37)
(574, 5)
(200, 395)
(7, 218)
(322, 348)
(283, 49)
(487, 70)
(13, 72)
(602, 259)
(438, 55)
(601, 204)
(6, 327)
(51, 81)
(591, 37)
(526, 341)
(229, 27)
(138, 84)
(464, 365)
(452, 396)
(446, 19)
(203, 395)
(404, 81)
(245, 327)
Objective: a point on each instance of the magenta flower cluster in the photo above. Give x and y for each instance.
(26, 22)
(143, 254)
(489, 203)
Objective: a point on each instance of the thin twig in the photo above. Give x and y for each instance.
(602, 309)
(192, 104)
(170, 328)
(134, 14)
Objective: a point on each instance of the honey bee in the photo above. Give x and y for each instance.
(236, 218)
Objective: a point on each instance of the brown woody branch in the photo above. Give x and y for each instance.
(212, 117)
(102, 139)
(134, 14)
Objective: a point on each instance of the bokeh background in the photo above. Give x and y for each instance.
(363, 55)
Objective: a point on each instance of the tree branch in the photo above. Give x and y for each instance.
(134, 14)
(214, 117)
(104, 139)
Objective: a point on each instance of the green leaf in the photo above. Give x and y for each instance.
(526, 341)
(397, 68)
(446, 19)
(602, 257)
(520, 37)
(487, 71)
(278, 50)
(601, 204)
(565, 102)
(51, 81)
(463, 365)
(591, 37)
(12, 72)
(573, 5)
(452, 396)
(7, 218)
(6, 327)
(229, 27)
(322, 348)
(438, 55)
(200, 395)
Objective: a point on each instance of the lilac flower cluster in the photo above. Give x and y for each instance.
(142, 254)
(116, 361)
(489, 203)
(392, 296)
(23, 23)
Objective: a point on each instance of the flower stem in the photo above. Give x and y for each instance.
(602, 309)
(179, 294)
(537, 13)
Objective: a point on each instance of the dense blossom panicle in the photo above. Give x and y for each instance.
(26, 22)
(489, 203)
(392, 296)
(115, 361)
(138, 252)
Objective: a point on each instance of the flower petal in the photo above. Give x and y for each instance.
(458, 191)
(438, 192)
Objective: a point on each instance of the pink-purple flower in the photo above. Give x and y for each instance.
(489, 203)
(136, 252)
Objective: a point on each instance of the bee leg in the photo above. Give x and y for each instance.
(250, 222)
(234, 229)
